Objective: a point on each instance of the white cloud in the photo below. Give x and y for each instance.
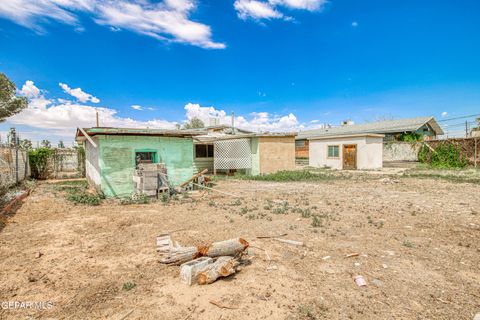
(310, 5)
(168, 20)
(354, 24)
(59, 117)
(256, 10)
(258, 121)
(444, 114)
(79, 94)
(272, 9)
(136, 107)
(30, 90)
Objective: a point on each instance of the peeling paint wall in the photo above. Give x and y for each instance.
(117, 160)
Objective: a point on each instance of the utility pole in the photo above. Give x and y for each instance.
(233, 123)
(98, 122)
(466, 129)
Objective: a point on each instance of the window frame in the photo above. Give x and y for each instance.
(208, 151)
(153, 151)
(338, 151)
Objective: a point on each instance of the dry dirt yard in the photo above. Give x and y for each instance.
(417, 239)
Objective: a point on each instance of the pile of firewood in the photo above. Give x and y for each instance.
(202, 264)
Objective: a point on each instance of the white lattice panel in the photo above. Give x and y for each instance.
(232, 154)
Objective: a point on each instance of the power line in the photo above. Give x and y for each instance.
(462, 117)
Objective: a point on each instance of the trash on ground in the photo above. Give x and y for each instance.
(360, 281)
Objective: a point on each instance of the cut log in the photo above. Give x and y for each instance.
(179, 255)
(223, 267)
(230, 247)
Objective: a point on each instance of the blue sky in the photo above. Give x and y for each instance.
(279, 64)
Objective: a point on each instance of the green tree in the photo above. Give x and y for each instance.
(10, 104)
(46, 144)
(194, 123)
(60, 144)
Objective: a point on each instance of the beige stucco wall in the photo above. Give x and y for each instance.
(369, 152)
(276, 154)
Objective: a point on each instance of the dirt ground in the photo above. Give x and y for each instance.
(417, 239)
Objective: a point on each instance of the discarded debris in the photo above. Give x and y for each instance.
(356, 254)
(268, 237)
(195, 176)
(360, 281)
(326, 258)
(189, 270)
(292, 242)
(221, 305)
(208, 188)
(38, 254)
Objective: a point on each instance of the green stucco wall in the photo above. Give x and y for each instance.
(117, 160)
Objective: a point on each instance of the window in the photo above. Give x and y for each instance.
(145, 157)
(204, 151)
(333, 151)
(300, 143)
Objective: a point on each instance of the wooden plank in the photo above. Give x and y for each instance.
(88, 137)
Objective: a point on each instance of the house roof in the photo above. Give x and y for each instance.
(211, 137)
(373, 135)
(222, 128)
(381, 127)
(137, 132)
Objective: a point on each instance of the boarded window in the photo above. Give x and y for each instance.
(333, 151)
(204, 151)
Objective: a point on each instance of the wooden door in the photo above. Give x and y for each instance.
(349, 156)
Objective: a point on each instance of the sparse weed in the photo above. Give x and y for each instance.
(317, 221)
(127, 286)
(408, 244)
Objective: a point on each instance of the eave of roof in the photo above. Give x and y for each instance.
(138, 132)
(372, 135)
(381, 127)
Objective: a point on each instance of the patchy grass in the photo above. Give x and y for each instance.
(76, 192)
(85, 198)
(286, 176)
(452, 175)
(135, 198)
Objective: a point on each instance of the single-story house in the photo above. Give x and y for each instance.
(112, 155)
(349, 152)
(240, 150)
(391, 129)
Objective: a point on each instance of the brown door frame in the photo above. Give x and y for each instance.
(344, 146)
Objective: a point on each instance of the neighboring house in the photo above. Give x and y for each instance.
(113, 153)
(347, 152)
(391, 129)
(223, 150)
